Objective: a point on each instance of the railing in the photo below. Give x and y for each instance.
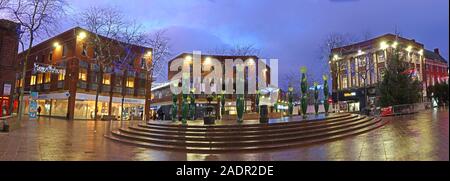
(402, 109)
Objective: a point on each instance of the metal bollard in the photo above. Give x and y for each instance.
(5, 126)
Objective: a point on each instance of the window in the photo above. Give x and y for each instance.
(381, 57)
(84, 51)
(344, 82)
(82, 75)
(19, 83)
(143, 63)
(50, 56)
(48, 77)
(61, 76)
(39, 78)
(130, 82)
(32, 80)
(64, 50)
(107, 79)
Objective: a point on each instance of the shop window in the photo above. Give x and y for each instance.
(130, 82)
(82, 75)
(61, 76)
(40, 78)
(32, 80)
(48, 77)
(107, 79)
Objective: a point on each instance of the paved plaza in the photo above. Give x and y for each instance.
(421, 136)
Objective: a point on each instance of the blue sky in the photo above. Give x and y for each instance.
(290, 30)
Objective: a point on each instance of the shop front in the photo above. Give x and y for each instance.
(349, 100)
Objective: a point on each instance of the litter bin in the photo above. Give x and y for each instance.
(210, 117)
(263, 114)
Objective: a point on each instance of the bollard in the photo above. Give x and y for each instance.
(5, 126)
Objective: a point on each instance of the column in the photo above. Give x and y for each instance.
(375, 67)
(349, 82)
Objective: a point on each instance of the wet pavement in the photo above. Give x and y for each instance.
(421, 136)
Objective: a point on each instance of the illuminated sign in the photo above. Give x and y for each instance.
(349, 94)
(48, 69)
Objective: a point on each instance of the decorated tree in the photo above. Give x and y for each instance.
(184, 109)
(192, 105)
(222, 104)
(304, 88)
(326, 105)
(174, 107)
(399, 85)
(290, 100)
(240, 107)
(257, 100)
(316, 98)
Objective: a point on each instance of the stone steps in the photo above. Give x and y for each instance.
(233, 132)
(236, 137)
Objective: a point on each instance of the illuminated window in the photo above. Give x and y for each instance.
(107, 79)
(48, 77)
(39, 78)
(130, 82)
(18, 83)
(82, 75)
(32, 80)
(61, 76)
(344, 82)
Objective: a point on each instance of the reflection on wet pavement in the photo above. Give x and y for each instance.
(421, 136)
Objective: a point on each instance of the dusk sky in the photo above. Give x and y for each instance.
(289, 30)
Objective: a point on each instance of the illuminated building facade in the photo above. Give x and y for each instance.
(64, 72)
(357, 68)
(162, 95)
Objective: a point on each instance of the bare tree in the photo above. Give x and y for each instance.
(114, 40)
(37, 18)
(4, 4)
(160, 44)
(365, 68)
(237, 50)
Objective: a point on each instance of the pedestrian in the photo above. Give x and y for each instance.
(39, 110)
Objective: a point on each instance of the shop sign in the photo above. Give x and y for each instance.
(41, 68)
(7, 89)
(349, 94)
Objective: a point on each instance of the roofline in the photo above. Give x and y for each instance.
(74, 29)
(375, 39)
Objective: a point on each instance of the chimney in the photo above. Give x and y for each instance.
(436, 50)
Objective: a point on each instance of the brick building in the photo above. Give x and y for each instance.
(63, 71)
(357, 68)
(9, 42)
(436, 68)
